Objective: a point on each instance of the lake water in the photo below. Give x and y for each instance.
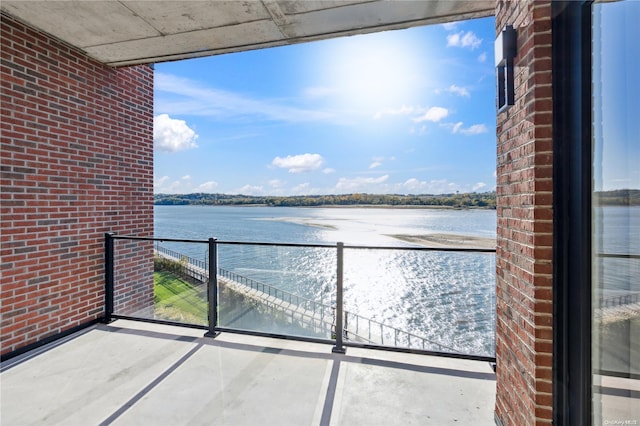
(446, 297)
(363, 226)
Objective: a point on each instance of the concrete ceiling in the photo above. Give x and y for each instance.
(123, 32)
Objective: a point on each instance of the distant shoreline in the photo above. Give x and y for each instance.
(470, 200)
(361, 200)
(336, 206)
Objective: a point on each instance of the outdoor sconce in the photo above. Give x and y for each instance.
(505, 52)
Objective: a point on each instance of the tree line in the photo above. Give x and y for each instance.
(620, 197)
(466, 200)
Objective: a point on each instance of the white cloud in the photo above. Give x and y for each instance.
(413, 184)
(358, 183)
(436, 186)
(379, 160)
(450, 26)
(328, 170)
(302, 189)
(421, 114)
(474, 129)
(434, 114)
(160, 181)
(482, 57)
(299, 163)
(460, 91)
(462, 39)
(178, 95)
(207, 187)
(164, 185)
(251, 190)
(403, 110)
(172, 135)
(478, 186)
(276, 183)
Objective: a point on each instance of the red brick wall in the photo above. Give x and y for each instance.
(525, 226)
(77, 161)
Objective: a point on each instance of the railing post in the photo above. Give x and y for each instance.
(339, 348)
(108, 277)
(212, 288)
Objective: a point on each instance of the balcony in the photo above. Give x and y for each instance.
(424, 300)
(232, 341)
(141, 373)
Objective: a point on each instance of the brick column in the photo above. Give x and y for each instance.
(525, 223)
(76, 151)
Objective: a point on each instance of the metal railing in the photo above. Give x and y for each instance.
(271, 291)
(356, 329)
(629, 297)
(195, 268)
(624, 299)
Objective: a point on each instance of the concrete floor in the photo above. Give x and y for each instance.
(130, 373)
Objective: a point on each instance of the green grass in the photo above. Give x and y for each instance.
(178, 300)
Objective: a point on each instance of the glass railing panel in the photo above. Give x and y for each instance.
(180, 282)
(426, 300)
(164, 281)
(411, 298)
(277, 289)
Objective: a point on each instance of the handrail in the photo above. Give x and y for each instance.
(270, 290)
(618, 255)
(179, 256)
(254, 243)
(624, 299)
(196, 268)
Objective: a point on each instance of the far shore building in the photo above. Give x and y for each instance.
(76, 81)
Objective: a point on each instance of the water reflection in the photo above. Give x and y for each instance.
(447, 298)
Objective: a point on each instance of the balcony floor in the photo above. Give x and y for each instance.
(132, 373)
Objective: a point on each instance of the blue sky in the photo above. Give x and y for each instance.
(407, 111)
(616, 96)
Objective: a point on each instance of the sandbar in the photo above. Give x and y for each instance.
(448, 241)
(300, 221)
(437, 240)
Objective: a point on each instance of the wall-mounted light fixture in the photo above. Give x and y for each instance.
(505, 52)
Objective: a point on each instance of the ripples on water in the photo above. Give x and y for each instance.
(448, 298)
